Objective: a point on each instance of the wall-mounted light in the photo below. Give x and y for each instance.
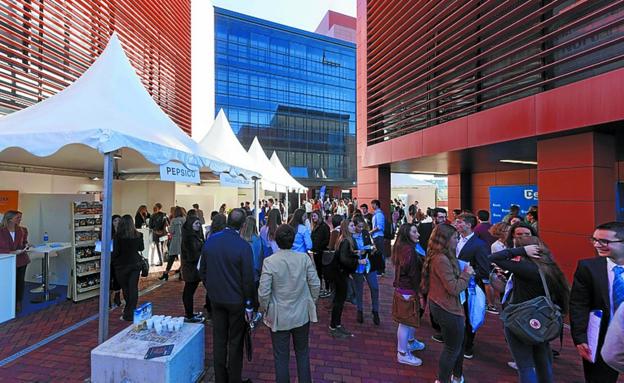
(519, 162)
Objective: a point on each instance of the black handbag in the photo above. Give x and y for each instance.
(144, 265)
(535, 321)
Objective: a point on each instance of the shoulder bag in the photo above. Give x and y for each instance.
(535, 321)
(405, 310)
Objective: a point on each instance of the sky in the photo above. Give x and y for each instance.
(302, 14)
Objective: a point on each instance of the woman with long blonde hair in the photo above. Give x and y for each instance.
(445, 285)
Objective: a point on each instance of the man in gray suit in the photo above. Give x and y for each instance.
(289, 288)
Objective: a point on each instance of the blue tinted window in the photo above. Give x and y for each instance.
(292, 90)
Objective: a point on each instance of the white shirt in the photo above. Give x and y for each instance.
(497, 246)
(12, 235)
(611, 276)
(462, 243)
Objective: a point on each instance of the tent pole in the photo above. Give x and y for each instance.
(299, 198)
(105, 264)
(256, 202)
(287, 211)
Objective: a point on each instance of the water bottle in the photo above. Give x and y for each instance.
(45, 238)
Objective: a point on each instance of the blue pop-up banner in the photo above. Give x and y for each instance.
(502, 197)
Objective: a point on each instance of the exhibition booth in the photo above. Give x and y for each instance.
(93, 136)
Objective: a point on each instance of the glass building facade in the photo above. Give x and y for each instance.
(294, 90)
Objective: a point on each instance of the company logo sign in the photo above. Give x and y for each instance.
(177, 172)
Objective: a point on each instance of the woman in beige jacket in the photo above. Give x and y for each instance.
(289, 288)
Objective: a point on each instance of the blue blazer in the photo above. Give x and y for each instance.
(476, 252)
(226, 268)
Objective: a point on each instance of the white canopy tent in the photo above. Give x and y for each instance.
(104, 120)
(292, 183)
(221, 142)
(271, 178)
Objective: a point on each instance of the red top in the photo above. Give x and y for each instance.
(8, 244)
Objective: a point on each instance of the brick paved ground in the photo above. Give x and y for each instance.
(368, 357)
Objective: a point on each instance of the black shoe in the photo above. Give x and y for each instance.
(555, 353)
(468, 354)
(164, 277)
(376, 320)
(360, 317)
(194, 319)
(438, 338)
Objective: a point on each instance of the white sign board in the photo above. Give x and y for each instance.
(177, 172)
(236, 182)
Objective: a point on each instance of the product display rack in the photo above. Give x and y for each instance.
(86, 229)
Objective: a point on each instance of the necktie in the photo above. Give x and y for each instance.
(617, 290)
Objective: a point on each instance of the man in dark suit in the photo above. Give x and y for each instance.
(475, 251)
(227, 270)
(598, 285)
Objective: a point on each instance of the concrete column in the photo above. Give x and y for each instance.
(576, 184)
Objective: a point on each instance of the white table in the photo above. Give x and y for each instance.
(122, 357)
(7, 286)
(46, 250)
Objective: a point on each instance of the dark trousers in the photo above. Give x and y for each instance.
(318, 262)
(128, 278)
(534, 362)
(452, 359)
(281, 353)
(170, 260)
(20, 278)
(340, 295)
(228, 327)
(380, 244)
(599, 372)
(187, 297)
(207, 305)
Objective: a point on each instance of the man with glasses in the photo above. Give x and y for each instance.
(598, 285)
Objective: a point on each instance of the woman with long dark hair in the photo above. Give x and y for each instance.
(175, 245)
(303, 238)
(407, 277)
(320, 241)
(525, 261)
(267, 232)
(445, 286)
(14, 240)
(192, 242)
(141, 217)
(126, 258)
(114, 285)
(344, 263)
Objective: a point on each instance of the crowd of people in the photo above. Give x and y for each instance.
(331, 249)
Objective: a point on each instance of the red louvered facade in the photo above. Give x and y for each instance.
(453, 87)
(45, 45)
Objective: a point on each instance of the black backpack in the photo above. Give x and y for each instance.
(388, 231)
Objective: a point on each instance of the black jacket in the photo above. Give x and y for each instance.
(476, 252)
(375, 257)
(320, 238)
(424, 229)
(527, 283)
(590, 291)
(347, 258)
(226, 268)
(126, 252)
(191, 252)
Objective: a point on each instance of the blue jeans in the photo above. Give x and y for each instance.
(534, 362)
(373, 286)
(451, 360)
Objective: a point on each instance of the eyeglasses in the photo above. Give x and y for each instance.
(603, 242)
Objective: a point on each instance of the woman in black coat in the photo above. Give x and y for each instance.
(192, 242)
(320, 241)
(126, 260)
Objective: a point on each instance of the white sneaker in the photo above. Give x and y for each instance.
(455, 380)
(512, 365)
(415, 345)
(408, 359)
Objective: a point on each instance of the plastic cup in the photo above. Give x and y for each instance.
(158, 328)
(150, 323)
